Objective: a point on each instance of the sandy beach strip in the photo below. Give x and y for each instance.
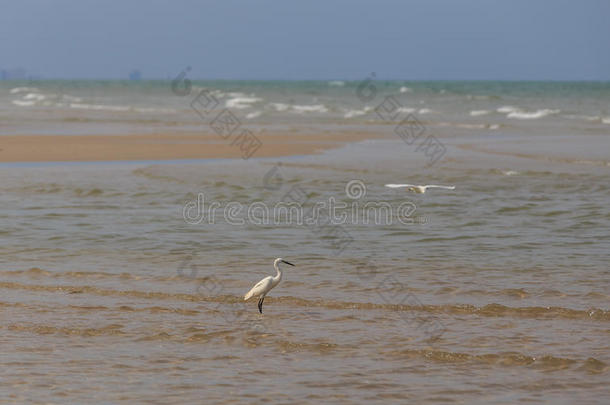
(167, 146)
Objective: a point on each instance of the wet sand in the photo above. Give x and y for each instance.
(168, 146)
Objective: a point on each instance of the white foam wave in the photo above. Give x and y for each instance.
(316, 108)
(37, 98)
(606, 120)
(23, 103)
(195, 90)
(464, 126)
(241, 102)
(253, 114)
(357, 113)
(338, 83)
(476, 113)
(524, 115)
(34, 96)
(406, 110)
(404, 89)
(468, 126)
(280, 106)
(507, 109)
(518, 113)
(121, 108)
(426, 111)
(16, 90)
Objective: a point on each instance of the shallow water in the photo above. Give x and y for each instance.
(497, 292)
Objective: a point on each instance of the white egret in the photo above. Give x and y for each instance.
(419, 189)
(263, 287)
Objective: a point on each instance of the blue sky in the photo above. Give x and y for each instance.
(311, 39)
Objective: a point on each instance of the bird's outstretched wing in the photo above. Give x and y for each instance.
(262, 286)
(399, 185)
(445, 187)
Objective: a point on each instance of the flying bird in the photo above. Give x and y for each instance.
(263, 287)
(418, 189)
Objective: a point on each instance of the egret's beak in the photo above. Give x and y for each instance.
(284, 261)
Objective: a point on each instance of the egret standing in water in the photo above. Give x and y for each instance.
(261, 288)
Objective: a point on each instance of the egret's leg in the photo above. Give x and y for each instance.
(260, 304)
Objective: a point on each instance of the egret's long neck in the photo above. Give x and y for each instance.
(278, 276)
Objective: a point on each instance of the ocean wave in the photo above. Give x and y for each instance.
(120, 108)
(32, 98)
(35, 96)
(507, 109)
(338, 83)
(476, 113)
(469, 126)
(404, 89)
(280, 106)
(426, 111)
(531, 115)
(315, 108)
(23, 103)
(99, 107)
(215, 92)
(518, 113)
(254, 114)
(17, 90)
(407, 110)
(357, 113)
(242, 102)
(606, 120)
(299, 109)
(46, 99)
(237, 94)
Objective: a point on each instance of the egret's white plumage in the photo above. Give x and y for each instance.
(263, 287)
(419, 189)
